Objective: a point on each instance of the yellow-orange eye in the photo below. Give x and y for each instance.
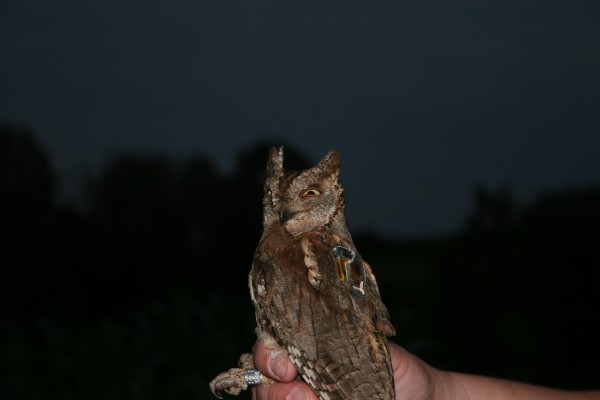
(311, 193)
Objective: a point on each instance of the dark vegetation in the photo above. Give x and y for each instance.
(142, 294)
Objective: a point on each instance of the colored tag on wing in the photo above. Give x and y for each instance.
(350, 268)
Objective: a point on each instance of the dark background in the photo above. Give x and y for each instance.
(133, 143)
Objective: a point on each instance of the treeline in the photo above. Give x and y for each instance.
(151, 225)
(141, 293)
(524, 282)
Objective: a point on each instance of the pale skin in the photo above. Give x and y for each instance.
(414, 380)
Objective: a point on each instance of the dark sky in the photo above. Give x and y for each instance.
(424, 98)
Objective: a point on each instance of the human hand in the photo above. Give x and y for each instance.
(413, 378)
(274, 363)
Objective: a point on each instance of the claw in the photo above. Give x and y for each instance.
(237, 379)
(231, 382)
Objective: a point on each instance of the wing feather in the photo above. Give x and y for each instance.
(330, 333)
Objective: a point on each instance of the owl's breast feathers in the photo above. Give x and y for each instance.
(325, 311)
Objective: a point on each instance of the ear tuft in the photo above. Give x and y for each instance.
(275, 163)
(331, 162)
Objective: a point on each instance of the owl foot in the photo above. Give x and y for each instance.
(237, 379)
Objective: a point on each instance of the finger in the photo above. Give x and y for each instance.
(295, 390)
(412, 377)
(273, 361)
(396, 353)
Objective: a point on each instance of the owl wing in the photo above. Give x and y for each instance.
(330, 319)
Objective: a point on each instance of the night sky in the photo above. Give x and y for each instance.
(425, 99)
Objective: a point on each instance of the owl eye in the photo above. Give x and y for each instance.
(311, 193)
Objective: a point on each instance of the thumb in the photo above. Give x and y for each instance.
(273, 361)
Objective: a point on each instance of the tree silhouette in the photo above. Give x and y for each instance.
(27, 185)
(493, 212)
(524, 282)
(27, 182)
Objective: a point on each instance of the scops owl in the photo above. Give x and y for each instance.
(313, 294)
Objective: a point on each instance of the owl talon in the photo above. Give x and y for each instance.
(237, 379)
(231, 382)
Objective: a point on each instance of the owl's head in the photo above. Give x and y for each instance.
(303, 200)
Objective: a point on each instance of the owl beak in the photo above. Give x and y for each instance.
(284, 215)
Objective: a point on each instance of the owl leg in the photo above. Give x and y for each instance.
(237, 379)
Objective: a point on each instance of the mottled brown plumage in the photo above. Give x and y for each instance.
(313, 294)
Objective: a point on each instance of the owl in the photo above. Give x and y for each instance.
(313, 293)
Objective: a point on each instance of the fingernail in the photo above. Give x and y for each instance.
(278, 364)
(299, 393)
